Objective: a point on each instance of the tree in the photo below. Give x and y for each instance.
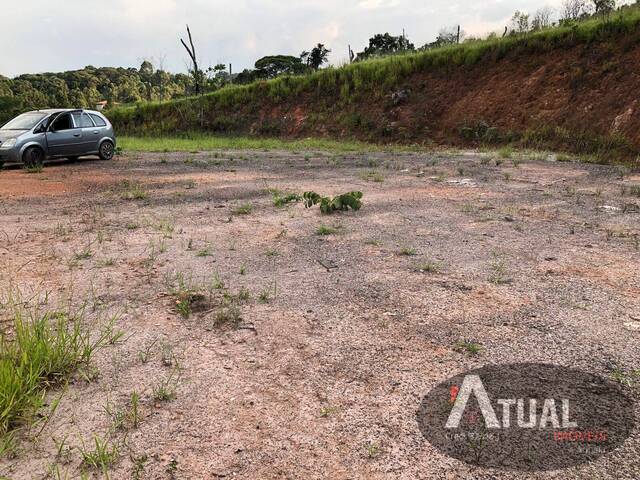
(385, 44)
(245, 76)
(317, 57)
(520, 22)
(146, 68)
(273, 66)
(541, 19)
(573, 10)
(604, 7)
(217, 77)
(195, 72)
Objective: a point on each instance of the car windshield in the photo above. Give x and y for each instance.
(26, 121)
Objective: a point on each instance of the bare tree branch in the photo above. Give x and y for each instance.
(192, 54)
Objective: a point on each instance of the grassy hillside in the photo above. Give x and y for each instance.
(565, 87)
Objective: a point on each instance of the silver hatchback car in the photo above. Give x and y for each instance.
(32, 137)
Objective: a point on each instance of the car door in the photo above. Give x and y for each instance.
(90, 133)
(63, 139)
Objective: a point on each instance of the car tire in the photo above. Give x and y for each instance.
(33, 157)
(107, 150)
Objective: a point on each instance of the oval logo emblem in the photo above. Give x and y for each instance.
(526, 416)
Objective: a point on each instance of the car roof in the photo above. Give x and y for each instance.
(50, 111)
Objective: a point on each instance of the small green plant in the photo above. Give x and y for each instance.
(127, 416)
(102, 456)
(268, 293)
(166, 389)
(326, 230)
(185, 296)
(327, 411)
(498, 271)
(429, 267)
(329, 205)
(372, 176)
(228, 315)
(204, 252)
(372, 449)
(106, 262)
(144, 355)
(244, 209)
(217, 283)
(83, 254)
(133, 191)
(281, 199)
(243, 294)
(625, 377)
(469, 347)
(139, 463)
(634, 190)
(407, 251)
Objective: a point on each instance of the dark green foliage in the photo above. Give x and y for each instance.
(385, 44)
(275, 65)
(329, 205)
(317, 57)
(280, 199)
(86, 87)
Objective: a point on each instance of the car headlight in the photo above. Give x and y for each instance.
(9, 143)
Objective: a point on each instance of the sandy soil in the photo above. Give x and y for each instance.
(535, 261)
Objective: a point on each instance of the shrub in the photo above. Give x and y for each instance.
(329, 205)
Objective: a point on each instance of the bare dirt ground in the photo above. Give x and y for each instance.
(323, 372)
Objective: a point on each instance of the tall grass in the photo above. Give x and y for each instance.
(38, 350)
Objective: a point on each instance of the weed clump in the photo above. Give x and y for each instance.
(330, 205)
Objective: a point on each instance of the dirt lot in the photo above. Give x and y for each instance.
(320, 371)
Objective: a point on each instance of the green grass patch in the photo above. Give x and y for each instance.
(203, 142)
(39, 350)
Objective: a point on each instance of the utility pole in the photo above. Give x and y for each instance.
(230, 74)
(351, 54)
(458, 37)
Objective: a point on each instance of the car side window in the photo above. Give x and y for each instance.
(82, 120)
(98, 120)
(63, 122)
(85, 121)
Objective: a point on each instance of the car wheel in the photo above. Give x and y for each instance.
(106, 150)
(33, 157)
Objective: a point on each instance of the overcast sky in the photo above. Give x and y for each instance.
(46, 35)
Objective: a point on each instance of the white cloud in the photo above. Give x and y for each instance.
(374, 4)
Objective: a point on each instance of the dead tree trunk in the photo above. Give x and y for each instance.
(192, 54)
